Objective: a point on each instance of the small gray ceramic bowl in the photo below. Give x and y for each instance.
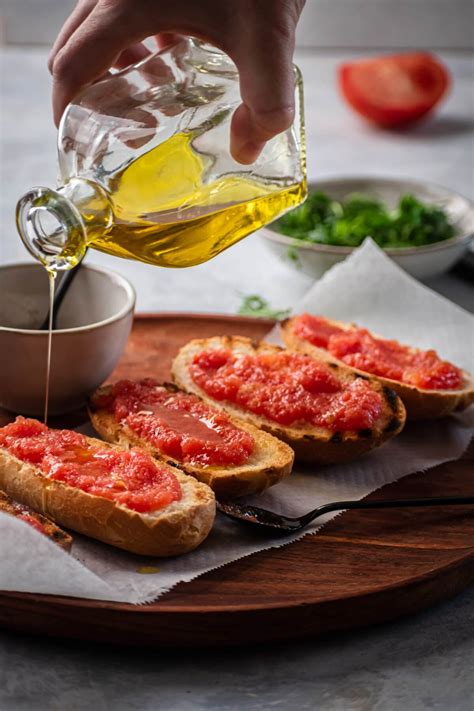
(420, 262)
(93, 326)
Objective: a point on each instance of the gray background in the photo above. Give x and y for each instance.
(324, 23)
(423, 662)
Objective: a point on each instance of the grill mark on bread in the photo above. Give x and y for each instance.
(391, 397)
(393, 425)
(367, 432)
(60, 536)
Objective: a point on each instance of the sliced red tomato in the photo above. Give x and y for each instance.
(394, 90)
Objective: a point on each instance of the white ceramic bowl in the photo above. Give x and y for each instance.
(420, 262)
(93, 326)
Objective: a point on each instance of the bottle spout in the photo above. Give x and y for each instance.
(56, 226)
(51, 228)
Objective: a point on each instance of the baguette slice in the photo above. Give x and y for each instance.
(36, 520)
(270, 461)
(419, 403)
(177, 528)
(310, 443)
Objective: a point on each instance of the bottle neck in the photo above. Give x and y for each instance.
(56, 226)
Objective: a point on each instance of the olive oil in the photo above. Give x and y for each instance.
(168, 211)
(52, 281)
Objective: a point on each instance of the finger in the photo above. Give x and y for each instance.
(92, 49)
(264, 58)
(267, 87)
(75, 19)
(132, 55)
(166, 39)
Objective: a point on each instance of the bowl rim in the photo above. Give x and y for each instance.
(116, 278)
(275, 236)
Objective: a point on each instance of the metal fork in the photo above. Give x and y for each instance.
(262, 518)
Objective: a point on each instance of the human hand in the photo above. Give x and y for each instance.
(258, 35)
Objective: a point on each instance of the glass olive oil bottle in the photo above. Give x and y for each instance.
(145, 169)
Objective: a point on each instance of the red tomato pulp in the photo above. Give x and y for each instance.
(286, 388)
(389, 359)
(132, 479)
(178, 424)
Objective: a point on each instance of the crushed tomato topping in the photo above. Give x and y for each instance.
(131, 478)
(33, 522)
(286, 388)
(177, 424)
(378, 356)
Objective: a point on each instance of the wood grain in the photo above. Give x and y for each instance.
(363, 568)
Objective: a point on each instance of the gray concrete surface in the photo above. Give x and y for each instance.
(425, 662)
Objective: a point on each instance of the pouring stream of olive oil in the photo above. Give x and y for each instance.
(52, 281)
(158, 210)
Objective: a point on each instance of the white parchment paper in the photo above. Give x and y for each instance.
(367, 288)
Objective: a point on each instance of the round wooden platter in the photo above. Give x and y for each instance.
(362, 568)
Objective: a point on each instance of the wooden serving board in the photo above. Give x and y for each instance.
(362, 568)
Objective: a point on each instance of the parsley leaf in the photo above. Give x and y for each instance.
(255, 305)
(322, 220)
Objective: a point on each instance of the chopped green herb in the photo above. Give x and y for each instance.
(254, 305)
(322, 220)
(293, 255)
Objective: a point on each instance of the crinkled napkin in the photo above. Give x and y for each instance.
(367, 288)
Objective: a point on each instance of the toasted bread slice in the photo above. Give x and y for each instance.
(310, 443)
(36, 520)
(174, 529)
(270, 461)
(419, 403)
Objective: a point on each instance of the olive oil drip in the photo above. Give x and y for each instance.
(52, 281)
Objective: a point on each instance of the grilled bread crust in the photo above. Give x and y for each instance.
(56, 534)
(270, 461)
(420, 404)
(177, 528)
(310, 443)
